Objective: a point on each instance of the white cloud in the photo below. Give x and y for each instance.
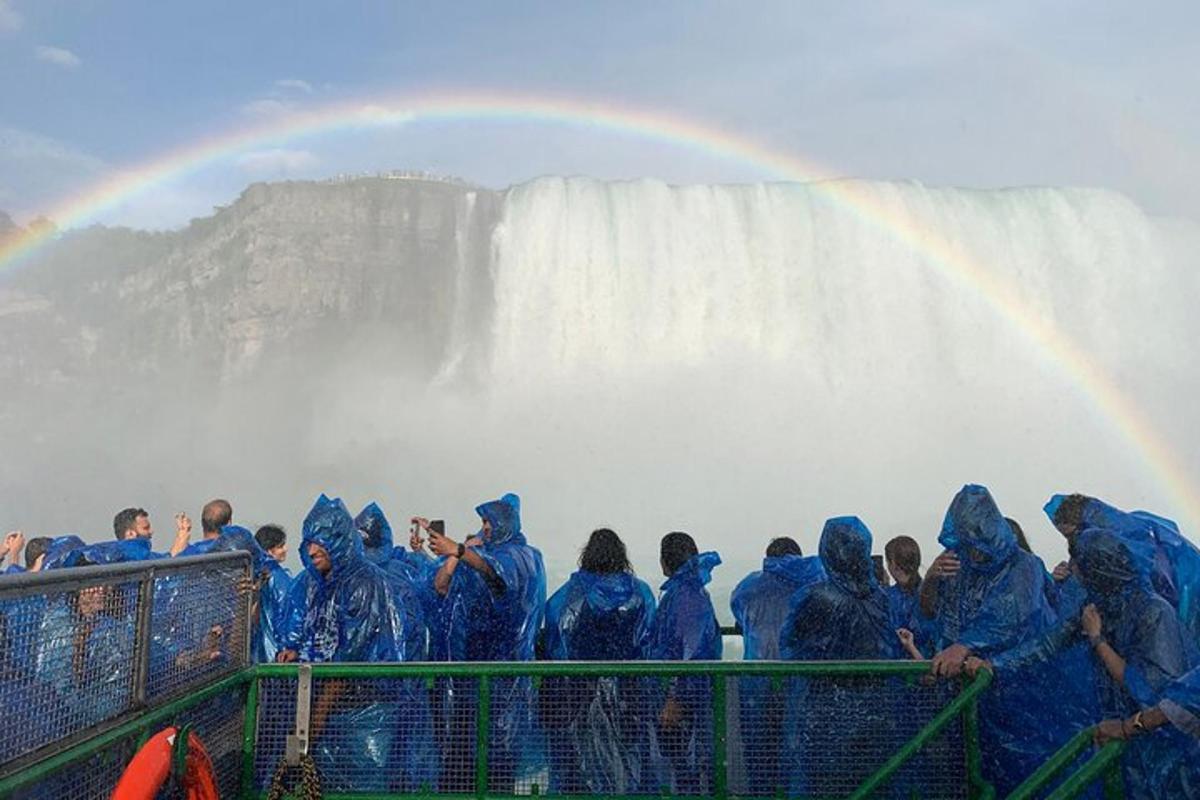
(267, 108)
(58, 55)
(38, 172)
(10, 20)
(295, 84)
(276, 162)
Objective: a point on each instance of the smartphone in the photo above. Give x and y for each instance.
(438, 526)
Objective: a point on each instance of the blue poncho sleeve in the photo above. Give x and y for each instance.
(1181, 702)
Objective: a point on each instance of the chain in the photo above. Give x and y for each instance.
(310, 782)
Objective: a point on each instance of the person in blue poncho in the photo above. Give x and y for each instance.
(1138, 648)
(902, 556)
(376, 531)
(133, 524)
(273, 540)
(992, 600)
(845, 617)
(597, 726)
(493, 596)
(214, 518)
(685, 628)
(271, 587)
(343, 607)
(35, 553)
(1175, 564)
(760, 605)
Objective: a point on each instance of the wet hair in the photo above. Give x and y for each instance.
(677, 547)
(881, 573)
(35, 548)
(270, 536)
(126, 520)
(1018, 532)
(905, 553)
(1070, 510)
(783, 546)
(215, 515)
(604, 554)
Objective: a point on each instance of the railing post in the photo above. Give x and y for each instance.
(720, 739)
(483, 713)
(249, 736)
(1114, 782)
(975, 779)
(142, 634)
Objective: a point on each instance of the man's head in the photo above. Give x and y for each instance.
(677, 547)
(35, 552)
(783, 546)
(319, 558)
(1068, 517)
(903, 556)
(272, 539)
(215, 515)
(131, 523)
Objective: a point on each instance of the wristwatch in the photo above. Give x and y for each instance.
(1138, 725)
(462, 548)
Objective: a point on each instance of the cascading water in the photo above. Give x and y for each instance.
(737, 361)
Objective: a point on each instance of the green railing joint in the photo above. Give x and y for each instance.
(953, 709)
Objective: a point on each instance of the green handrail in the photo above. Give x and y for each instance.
(966, 698)
(1099, 764)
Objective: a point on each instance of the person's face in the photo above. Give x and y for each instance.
(141, 528)
(319, 558)
(898, 574)
(486, 530)
(278, 552)
(663, 563)
(91, 600)
(977, 556)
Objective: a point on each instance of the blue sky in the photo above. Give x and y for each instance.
(1013, 93)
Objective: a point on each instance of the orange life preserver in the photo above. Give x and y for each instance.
(150, 768)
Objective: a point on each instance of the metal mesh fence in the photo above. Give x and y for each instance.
(198, 627)
(72, 643)
(93, 778)
(619, 735)
(219, 723)
(68, 662)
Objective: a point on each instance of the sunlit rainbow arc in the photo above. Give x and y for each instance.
(950, 260)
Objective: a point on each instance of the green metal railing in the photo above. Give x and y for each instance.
(1104, 764)
(964, 705)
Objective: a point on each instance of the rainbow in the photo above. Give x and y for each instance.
(950, 260)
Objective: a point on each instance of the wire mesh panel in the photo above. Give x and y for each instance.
(66, 661)
(375, 735)
(92, 778)
(198, 626)
(822, 736)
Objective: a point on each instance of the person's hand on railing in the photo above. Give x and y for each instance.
(1109, 730)
(286, 656)
(973, 665)
(949, 662)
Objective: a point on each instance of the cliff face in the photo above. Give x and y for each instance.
(283, 272)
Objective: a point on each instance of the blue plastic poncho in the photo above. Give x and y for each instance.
(760, 606)
(1181, 702)
(760, 601)
(685, 628)
(1175, 563)
(274, 585)
(200, 548)
(599, 726)
(1145, 631)
(996, 602)
(405, 580)
(70, 551)
(845, 617)
(349, 614)
(490, 619)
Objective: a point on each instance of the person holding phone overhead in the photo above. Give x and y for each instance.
(492, 591)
